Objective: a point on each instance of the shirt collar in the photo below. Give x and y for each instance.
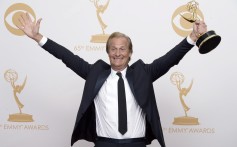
(123, 72)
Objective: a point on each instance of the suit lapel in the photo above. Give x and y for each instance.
(100, 80)
(129, 76)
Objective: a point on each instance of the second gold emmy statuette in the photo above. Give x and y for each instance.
(177, 79)
(11, 76)
(207, 41)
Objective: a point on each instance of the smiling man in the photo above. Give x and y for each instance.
(119, 49)
(118, 106)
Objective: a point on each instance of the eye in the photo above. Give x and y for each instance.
(13, 13)
(112, 50)
(181, 26)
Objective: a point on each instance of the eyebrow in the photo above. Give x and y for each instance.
(118, 47)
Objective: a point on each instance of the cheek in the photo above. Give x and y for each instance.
(110, 55)
(129, 55)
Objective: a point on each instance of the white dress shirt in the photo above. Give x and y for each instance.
(106, 104)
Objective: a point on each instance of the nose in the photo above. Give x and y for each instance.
(117, 53)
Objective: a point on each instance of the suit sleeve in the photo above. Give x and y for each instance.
(162, 65)
(74, 62)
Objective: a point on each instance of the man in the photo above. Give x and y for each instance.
(100, 118)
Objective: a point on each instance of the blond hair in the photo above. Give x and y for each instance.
(118, 35)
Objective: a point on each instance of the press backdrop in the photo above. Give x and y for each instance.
(51, 93)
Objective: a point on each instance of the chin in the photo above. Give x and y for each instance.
(117, 67)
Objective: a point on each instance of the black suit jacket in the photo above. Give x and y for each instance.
(140, 77)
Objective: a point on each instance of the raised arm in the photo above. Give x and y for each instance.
(161, 65)
(74, 62)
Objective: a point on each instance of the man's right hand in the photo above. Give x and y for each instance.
(30, 28)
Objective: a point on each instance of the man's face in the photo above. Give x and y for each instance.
(119, 53)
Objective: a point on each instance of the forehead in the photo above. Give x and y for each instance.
(118, 42)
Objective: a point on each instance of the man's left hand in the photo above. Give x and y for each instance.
(199, 28)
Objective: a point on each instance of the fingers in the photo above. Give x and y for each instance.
(25, 19)
(28, 17)
(197, 22)
(38, 22)
(21, 22)
(202, 28)
(199, 28)
(20, 26)
(202, 24)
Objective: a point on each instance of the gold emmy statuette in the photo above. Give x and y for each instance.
(11, 76)
(207, 41)
(177, 79)
(100, 38)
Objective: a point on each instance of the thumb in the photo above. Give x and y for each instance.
(38, 22)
